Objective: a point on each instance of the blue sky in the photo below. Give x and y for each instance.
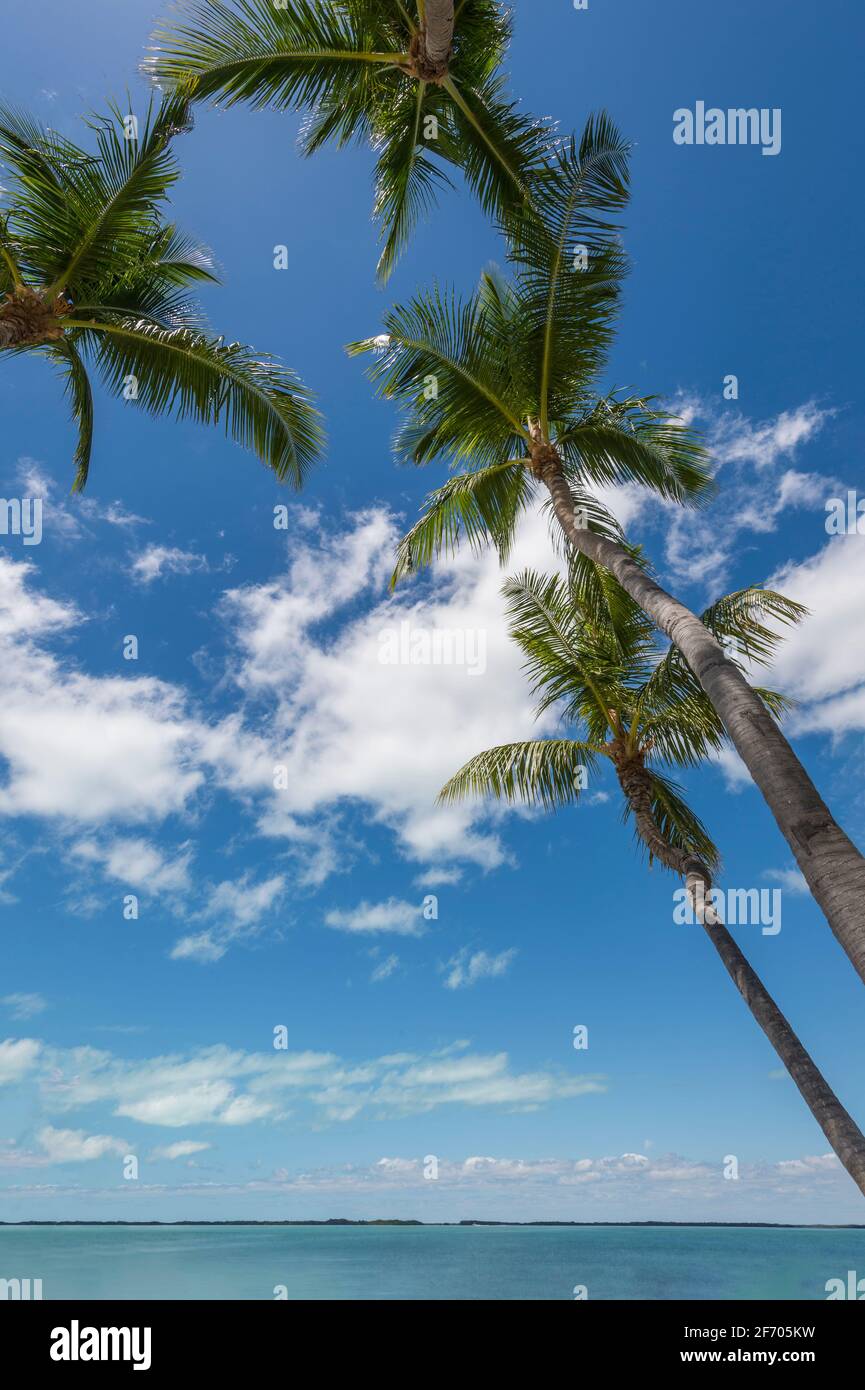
(407, 1036)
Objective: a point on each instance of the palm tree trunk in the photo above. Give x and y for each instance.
(833, 867)
(438, 29)
(839, 1127)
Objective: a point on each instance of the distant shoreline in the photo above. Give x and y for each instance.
(342, 1221)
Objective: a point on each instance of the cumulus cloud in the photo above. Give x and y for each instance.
(81, 747)
(75, 1146)
(821, 663)
(18, 1057)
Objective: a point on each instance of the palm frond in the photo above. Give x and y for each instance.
(546, 772)
(288, 57)
(627, 440)
(678, 824)
(80, 397)
(262, 405)
(481, 507)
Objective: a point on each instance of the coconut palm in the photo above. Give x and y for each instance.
(94, 278)
(419, 81)
(506, 386)
(592, 654)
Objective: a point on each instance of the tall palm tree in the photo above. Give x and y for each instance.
(419, 80)
(505, 386)
(591, 653)
(93, 276)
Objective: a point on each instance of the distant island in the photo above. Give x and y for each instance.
(393, 1221)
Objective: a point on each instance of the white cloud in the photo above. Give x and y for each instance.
(70, 518)
(182, 1149)
(81, 747)
(349, 728)
(466, 967)
(225, 1086)
(237, 909)
(137, 863)
(17, 1059)
(758, 489)
(345, 731)
(385, 969)
(156, 561)
(791, 880)
(394, 915)
(821, 661)
(24, 1005)
(75, 1146)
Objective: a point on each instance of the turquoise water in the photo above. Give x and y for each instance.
(429, 1262)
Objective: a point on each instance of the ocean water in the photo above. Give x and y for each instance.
(93, 1262)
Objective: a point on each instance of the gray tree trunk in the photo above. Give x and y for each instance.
(839, 1127)
(833, 867)
(438, 31)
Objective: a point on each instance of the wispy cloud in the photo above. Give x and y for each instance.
(24, 1005)
(467, 967)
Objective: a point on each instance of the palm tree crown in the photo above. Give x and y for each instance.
(593, 655)
(91, 275)
(507, 381)
(420, 82)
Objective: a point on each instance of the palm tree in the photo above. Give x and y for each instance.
(420, 82)
(591, 653)
(505, 385)
(92, 276)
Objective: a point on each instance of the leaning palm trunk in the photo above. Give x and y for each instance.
(840, 1129)
(833, 867)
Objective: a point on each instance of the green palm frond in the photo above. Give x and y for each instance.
(570, 663)
(80, 398)
(480, 507)
(103, 280)
(262, 405)
(737, 620)
(545, 772)
(78, 215)
(679, 825)
(447, 362)
(347, 65)
(10, 270)
(288, 57)
(628, 440)
(569, 264)
(407, 179)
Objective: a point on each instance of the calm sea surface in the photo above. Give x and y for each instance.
(428, 1263)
